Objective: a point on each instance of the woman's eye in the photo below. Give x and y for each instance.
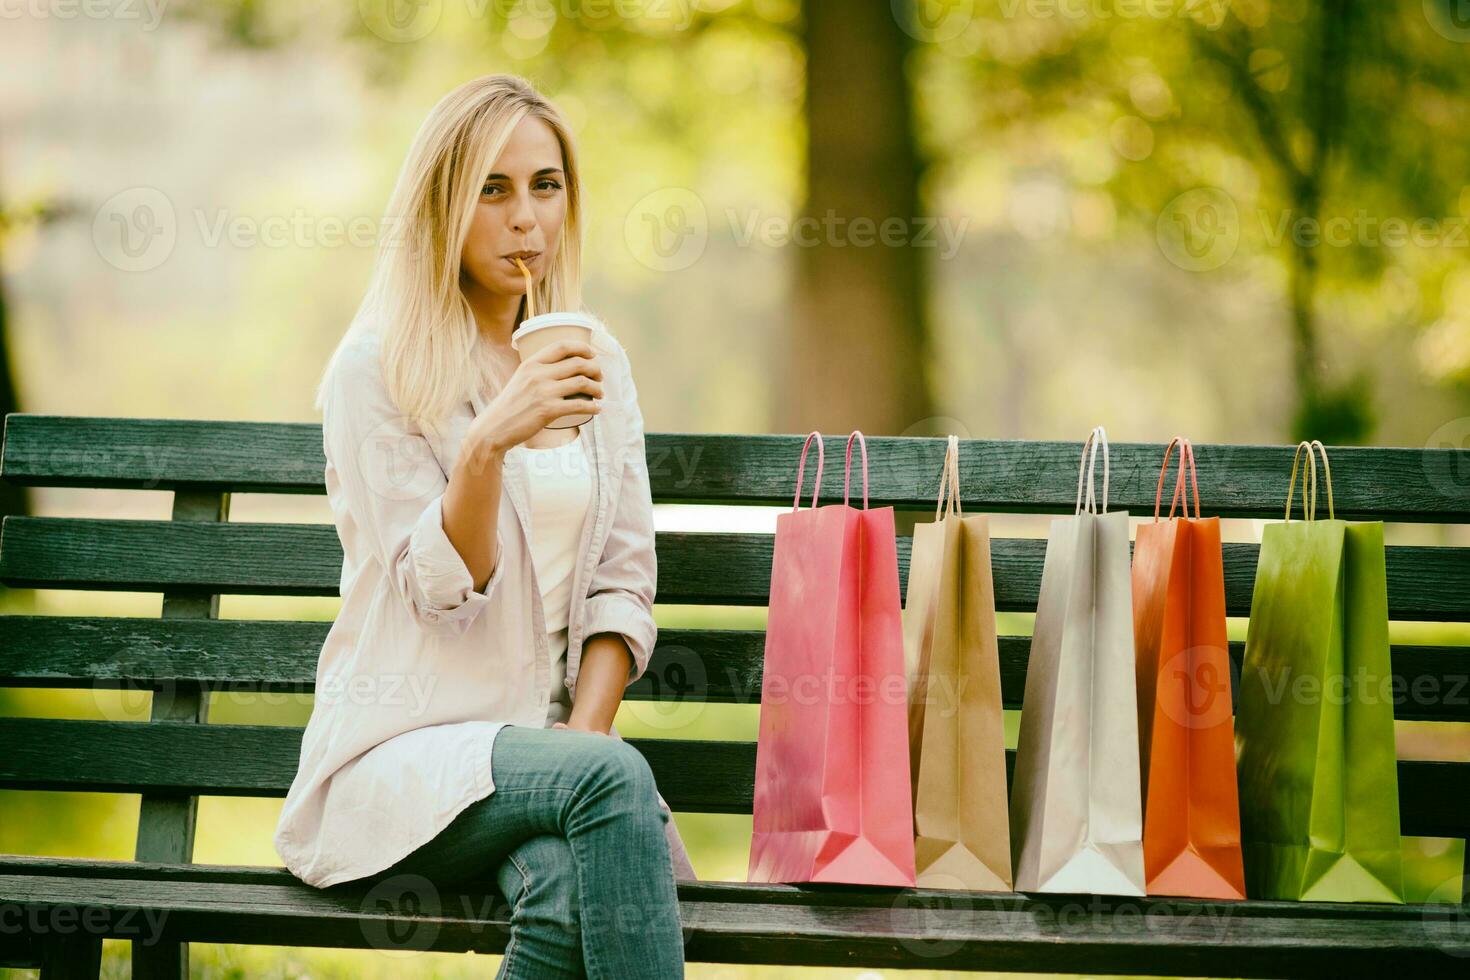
(541, 185)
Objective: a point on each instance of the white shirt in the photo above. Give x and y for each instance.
(559, 484)
(419, 671)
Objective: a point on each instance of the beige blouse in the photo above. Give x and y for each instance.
(419, 671)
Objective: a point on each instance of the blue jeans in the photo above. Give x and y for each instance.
(575, 838)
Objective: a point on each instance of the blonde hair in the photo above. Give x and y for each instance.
(430, 349)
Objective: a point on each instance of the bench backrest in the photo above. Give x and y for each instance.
(200, 555)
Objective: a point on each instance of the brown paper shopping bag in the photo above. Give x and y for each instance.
(956, 728)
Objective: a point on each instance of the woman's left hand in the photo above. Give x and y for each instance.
(562, 724)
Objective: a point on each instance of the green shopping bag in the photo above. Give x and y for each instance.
(1319, 803)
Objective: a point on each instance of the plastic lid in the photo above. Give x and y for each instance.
(553, 319)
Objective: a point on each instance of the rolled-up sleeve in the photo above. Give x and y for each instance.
(387, 490)
(620, 599)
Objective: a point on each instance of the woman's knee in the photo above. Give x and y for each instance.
(539, 880)
(616, 767)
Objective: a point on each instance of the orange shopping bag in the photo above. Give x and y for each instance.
(1191, 813)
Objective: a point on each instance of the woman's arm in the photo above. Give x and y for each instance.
(393, 500)
(472, 505)
(601, 680)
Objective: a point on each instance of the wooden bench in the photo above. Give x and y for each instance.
(56, 912)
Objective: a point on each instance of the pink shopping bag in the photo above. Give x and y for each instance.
(832, 761)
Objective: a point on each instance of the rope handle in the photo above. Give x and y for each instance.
(801, 469)
(1186, 454)
(1309, 479)
(1088, 465)
(847, 473)
(1327, 478)
(950, 477)
(1310, 512)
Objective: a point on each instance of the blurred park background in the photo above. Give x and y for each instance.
(1238, 220)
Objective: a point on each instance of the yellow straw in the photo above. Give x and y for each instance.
(530, 289)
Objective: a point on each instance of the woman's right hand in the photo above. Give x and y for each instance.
(539, 392)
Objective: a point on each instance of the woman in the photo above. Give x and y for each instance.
(474, 619)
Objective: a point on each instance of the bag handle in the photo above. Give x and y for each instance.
(847, 473)
(950, 476)
(1309, 479)
(1088, 465)
(801, 469)
(1327, 477)
(1186, 453)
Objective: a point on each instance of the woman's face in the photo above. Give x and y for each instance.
(520, 212)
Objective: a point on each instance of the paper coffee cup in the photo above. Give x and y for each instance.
(548, 328)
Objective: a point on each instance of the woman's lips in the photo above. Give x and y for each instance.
(529, 260)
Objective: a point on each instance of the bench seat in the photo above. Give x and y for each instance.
(808, 925)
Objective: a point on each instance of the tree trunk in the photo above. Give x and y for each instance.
(13, 499)
(856, 349)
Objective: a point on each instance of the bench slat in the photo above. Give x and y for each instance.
(1392, 483)
(1424, 583)
(1429, 683)
(738, 922)
(260, 760)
